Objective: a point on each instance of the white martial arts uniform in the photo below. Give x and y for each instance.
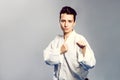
(71, 65)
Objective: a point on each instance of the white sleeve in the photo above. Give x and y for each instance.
(88, 61)
(52, 53)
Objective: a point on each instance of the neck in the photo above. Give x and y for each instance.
(66, 35)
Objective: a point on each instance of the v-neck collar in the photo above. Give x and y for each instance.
(70, 35)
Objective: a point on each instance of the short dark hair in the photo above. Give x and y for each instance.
(68, 10)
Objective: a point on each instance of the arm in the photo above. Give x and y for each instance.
(86, 56)
(52, 53)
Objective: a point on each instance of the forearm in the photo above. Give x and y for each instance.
(52, 57)
(87, 59)
(83, 50)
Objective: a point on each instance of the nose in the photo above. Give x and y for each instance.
(66, 24)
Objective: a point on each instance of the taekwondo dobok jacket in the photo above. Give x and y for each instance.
(72, 65)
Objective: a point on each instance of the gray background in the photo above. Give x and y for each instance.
(27, 27)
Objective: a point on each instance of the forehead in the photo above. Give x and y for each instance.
(67, 16)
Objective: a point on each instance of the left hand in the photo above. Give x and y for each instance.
(82, 45)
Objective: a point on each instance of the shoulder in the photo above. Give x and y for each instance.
(58, 37)
(79, 37)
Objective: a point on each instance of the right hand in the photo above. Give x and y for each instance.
(64, 48)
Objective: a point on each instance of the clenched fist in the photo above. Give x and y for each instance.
(82, 45)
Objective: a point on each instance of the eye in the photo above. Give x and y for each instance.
(70, 21)
(62, 20)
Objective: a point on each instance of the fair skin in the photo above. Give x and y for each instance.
(67, 24)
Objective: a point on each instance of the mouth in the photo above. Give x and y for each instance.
(66, 28)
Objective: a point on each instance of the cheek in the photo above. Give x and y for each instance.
(71, 25)
(61, 24)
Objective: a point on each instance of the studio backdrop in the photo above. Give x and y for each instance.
(27, 27)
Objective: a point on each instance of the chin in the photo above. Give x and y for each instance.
(66, 31)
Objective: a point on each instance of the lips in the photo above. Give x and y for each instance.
(66, 28)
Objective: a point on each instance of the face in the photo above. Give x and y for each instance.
(67, 22)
